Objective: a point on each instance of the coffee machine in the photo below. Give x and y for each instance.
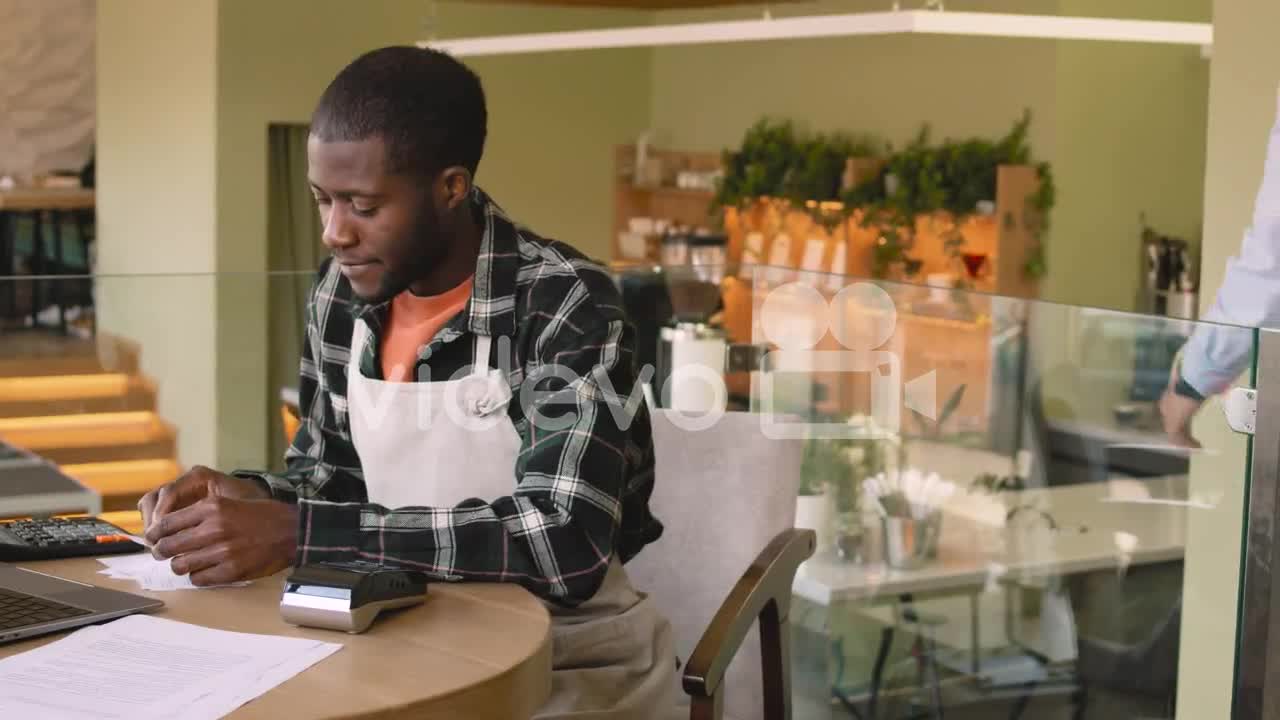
(1169, 295)
(1169, 282)
(675, 307)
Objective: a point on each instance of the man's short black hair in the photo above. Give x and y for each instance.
(426, 106)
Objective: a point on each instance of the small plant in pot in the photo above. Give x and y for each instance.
(832, 472)
(813, 509)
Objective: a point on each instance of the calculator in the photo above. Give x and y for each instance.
(61, 537)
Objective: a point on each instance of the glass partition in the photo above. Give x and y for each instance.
(1003, 528)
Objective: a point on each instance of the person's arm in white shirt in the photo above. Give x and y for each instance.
(1249, 297)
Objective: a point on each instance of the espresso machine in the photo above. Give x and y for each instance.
(1169, 295)
(692, 348)
(1169, 287)
(674, 307)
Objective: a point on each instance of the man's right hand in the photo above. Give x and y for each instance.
(192, 488)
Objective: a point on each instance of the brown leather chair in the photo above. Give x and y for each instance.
(723, 570)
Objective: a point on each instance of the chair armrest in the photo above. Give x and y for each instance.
(764, 587)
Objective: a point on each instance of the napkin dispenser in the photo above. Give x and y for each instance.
(348, 596)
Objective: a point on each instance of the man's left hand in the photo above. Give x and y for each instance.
(224, 539)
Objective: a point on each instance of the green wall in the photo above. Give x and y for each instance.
(1242, 107)
(704, 97)
(1123, 125)
(1130, 139)
(156, 213)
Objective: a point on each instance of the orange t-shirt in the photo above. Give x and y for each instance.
(412, 322)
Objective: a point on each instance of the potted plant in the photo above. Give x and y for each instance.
(813, 508)
(957, 177)
(865, 457)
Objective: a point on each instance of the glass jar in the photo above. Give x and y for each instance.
(708, 254)
(675, 248)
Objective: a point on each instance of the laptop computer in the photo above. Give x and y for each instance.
(33, 603)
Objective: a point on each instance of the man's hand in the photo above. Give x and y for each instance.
(191, 488)
(222, 539)
(1176, 413)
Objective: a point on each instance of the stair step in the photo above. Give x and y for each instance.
(122, 484)
(36, 352)
(96, 437)
(74, 394)
(128, 520)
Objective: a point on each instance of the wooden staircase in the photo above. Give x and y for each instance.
(74, 394)
(83, 405)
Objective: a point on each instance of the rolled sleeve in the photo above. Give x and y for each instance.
(1249, 296)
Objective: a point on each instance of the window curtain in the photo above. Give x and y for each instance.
(294, 252)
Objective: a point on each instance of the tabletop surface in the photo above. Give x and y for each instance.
(1109, 432)
(1100, 525)
(471, 650)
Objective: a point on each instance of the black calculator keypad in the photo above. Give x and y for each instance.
(50, 538)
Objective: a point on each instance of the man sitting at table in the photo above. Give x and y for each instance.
(467, 404)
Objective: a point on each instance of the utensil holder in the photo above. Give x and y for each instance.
(910, 543)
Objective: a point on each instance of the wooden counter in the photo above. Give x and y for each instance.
(472, 651)
(32, 199)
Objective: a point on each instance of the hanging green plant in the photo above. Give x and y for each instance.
(819, 166)
(955, 176)
(1042, 203)
(774, 160)
(890, 248)
(760, 166)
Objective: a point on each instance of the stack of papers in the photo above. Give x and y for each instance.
(149, 573)
(142, 667)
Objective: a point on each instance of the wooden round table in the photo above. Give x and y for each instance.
(470, 651)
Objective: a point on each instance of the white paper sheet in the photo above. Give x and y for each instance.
(149, 573)
(142, 667)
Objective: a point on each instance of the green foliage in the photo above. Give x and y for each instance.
(839, 466)
(775, 160)
(822, 466)
(895, 236)
(1041, 206)
(760, 167)
(954, 176)
(818, 169)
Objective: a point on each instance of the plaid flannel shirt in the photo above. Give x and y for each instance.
(579, 494)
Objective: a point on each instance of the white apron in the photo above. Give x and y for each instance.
(436, 444)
